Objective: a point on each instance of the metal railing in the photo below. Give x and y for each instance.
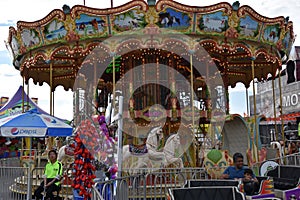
(14, 183)
(291, 160)
(146, 183)
(19, 183)
(10, 162)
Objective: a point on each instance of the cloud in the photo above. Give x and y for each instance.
(5, 58)
(237, 103)
(7, 70)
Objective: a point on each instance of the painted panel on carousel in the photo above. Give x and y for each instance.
(15, 45)
(216, 161)
(285, 41)
(55, 30)
(272, 33)
(214, 22)
(30, 37)
(131, 20)
(90, 25)
(248, 27)
(174, 19)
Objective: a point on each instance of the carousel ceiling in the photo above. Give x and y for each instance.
(236, 38)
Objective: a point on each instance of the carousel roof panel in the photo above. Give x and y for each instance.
(234, 36)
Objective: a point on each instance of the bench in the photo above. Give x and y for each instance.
(207, 193)
(285, 177)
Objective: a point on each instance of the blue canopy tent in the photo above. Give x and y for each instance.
(33, 124)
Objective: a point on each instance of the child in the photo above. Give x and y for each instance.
(250, 182)
(249, 176)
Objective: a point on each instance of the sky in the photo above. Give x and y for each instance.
(12, 11)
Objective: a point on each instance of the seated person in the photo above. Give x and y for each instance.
(292, 148)
(251, 184)
(237, 171)
(52, 176)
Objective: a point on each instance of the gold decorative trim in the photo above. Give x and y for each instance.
(76, 10)
(242, 11)
(160, 5)
(59, 14)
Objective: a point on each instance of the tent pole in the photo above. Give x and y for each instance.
(27, 99)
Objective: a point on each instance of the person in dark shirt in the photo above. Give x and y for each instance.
(237, 171)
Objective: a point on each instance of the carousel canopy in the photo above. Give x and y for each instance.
(236, 37)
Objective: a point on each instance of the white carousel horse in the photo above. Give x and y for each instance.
(154, 150)
(173, 151)
(66, 153)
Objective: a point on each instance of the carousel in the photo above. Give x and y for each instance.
(160, 71)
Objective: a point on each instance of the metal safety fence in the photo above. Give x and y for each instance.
(14, 183)
(146, 183)
(19, 183)
(10, 162)
(290, 160)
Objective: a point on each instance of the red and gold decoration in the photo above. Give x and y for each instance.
(83, 170)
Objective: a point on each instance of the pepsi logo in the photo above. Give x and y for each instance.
(51, 120)
(14, 131)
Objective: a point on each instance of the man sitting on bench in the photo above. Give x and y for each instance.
(52, 176)
(237, 171)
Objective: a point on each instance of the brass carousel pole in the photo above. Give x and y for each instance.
(281, 113)
(255, 115)
(27, 100)
(192, 92)
(28, 139)
(50, 140)
(114, 85)
(50, 88)
(95, 88)
(274, 108)
(23, 84)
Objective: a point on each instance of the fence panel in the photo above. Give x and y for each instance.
(14, 183)
(146, 184)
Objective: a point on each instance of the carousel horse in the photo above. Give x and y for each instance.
(66, 152)
(173, 151)
(153, 151)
